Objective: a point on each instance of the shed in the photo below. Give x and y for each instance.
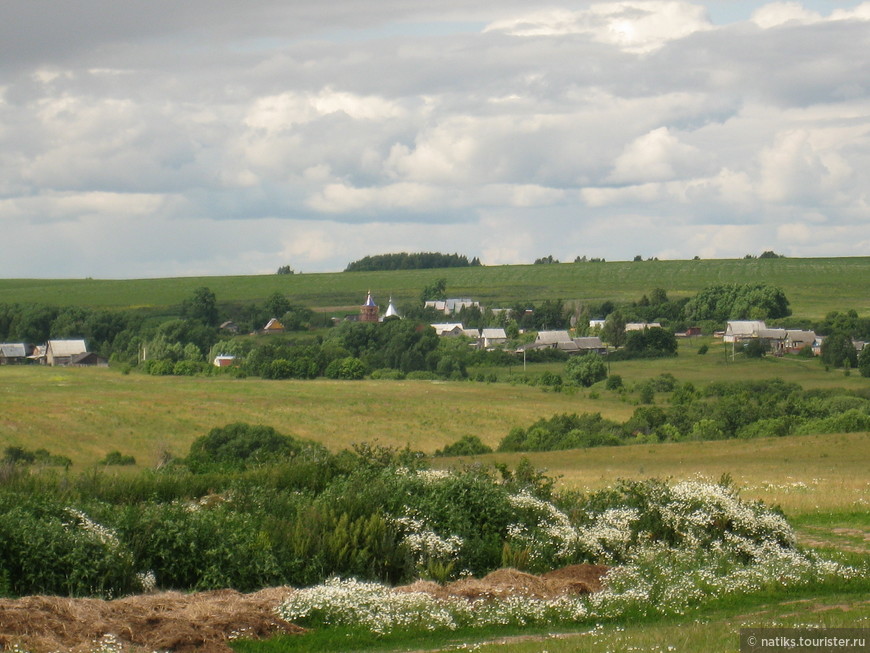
(12, 353)
(60, 352)
(590, 344)
(88, 359)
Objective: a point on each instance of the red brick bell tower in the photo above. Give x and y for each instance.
(368, 312)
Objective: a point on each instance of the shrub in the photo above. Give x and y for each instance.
(199, 546)
(46, 548)
(388, 373)
(117, 458)
(586, 370)
(421, 375)
(239, 445)
(614, 382)
(348, 368)
(467, 445)
(703, 349)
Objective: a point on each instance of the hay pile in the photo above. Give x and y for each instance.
(206, 621)
(575, 579)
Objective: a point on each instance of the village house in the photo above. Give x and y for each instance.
(745, 330)
(491, 338)
(563, 341)
(449, 329)
(272, 326)
(224, 360)
(795, 340)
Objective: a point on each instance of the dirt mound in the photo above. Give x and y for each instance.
(167, 621)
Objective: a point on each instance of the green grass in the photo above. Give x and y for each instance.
(813, 286)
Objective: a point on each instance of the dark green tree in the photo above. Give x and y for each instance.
(614, 329)
(434, 291)
(864, 361)
(202, 307)
(838, 351)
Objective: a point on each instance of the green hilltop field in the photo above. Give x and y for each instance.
(813, 286)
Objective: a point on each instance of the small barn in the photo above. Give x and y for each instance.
(13, 353)
(61, 352)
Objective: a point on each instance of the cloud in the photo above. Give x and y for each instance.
(639, 26)
(322, 133)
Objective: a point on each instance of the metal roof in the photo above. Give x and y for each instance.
(12, 350)
(66, 347)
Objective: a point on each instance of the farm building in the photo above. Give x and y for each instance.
(61, 352)
(88, 359)
(14, 353)
(224, 361)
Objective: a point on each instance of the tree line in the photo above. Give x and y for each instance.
(413, 261)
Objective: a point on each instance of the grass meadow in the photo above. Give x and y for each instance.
(85, 413)
(813, 286)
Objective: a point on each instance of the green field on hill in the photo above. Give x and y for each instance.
(813, 286)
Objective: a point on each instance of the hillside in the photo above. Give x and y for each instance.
(813, 286)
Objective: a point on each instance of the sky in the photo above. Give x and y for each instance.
(157, 138)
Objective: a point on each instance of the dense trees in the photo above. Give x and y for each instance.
(738, 302)
(415, 261)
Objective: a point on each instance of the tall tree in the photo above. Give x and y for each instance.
(202, 307)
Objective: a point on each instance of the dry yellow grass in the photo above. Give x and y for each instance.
(802, 474)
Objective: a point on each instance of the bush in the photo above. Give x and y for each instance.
(563, 432)
(756, 348)
(421, 375)
(200, 546)
(703, 349)
(47, 548)
(586, 370)
(467, 445)
(349, 368)
(614, 382)
(117, 458)
(238, 445)
(388, 373)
